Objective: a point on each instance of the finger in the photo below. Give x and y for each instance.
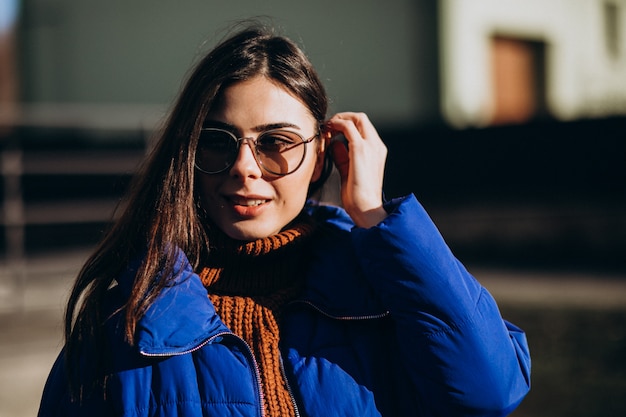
(346, 127)
(360, 120)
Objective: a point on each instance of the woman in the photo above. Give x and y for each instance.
(221, 291)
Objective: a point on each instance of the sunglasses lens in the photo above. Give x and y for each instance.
(280, 152)
(217, 150)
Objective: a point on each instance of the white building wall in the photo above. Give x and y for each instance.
(583, 80)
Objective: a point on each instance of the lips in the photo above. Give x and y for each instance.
(247, 201)
(247, 207)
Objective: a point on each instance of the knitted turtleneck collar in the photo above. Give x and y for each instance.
(257, 267)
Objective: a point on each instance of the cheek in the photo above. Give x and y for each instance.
(205, 190)
(295, 187)
(312, 163)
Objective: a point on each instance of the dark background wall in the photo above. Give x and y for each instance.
(540, 192)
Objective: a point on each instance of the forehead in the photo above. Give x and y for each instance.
(260, 101)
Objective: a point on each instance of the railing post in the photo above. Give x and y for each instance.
(14, 225)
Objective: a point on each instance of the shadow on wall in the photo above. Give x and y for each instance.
(542, 192)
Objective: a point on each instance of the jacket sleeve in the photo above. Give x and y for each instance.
(55, 401)
(464, 359)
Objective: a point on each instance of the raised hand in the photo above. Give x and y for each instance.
(361, 165)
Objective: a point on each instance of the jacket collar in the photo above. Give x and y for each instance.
(181, 318)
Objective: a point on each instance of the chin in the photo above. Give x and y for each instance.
(249, 233)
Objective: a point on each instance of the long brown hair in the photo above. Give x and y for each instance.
(163, 214)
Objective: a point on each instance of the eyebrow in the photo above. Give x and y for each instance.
(259, 128)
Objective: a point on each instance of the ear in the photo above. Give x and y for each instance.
(321, 156)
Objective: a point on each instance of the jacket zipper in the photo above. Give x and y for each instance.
(247, 351)
(289, 390)
(363, 317)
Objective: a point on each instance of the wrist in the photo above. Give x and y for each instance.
(369, 218)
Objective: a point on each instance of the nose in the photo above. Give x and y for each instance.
(246, 164)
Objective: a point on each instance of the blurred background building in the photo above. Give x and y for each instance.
(512, 61)
(472, 63)
(505, 117)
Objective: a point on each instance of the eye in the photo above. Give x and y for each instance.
(277, 141)
(213, 140)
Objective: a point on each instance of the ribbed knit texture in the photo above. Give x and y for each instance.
(249, 283)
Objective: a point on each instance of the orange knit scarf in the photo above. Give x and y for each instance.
(249, 283)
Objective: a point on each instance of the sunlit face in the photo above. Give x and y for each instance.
(245, 202)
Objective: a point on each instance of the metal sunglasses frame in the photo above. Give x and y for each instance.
(255, 152)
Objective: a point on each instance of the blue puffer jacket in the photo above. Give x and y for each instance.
(391, 324)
